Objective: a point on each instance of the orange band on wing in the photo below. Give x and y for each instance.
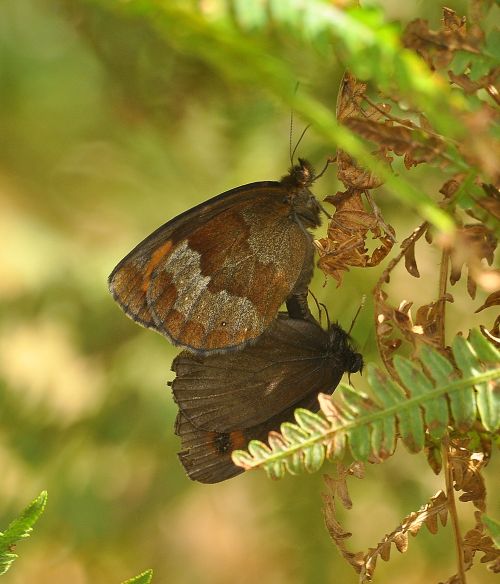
(156, 258)
(238, 439)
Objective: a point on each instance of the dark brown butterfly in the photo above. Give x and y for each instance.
(227, 400)
(214, 277)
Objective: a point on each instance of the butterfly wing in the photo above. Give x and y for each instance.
(214, 277)
(244, 388)
(206, 456)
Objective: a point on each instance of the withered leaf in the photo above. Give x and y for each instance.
(476, 541)
(492, 300)
(350, 97)
(451, 186)
(416, 146)
(452, 22)
(473, 243)
(481, 149)
(410, 261)
(344, 245)
(493, 335)
(386, 134)
(428, 317)
(466, 469)
(437, 47)
(338, 484)
(434, 456)
(357, 177)
(469, 86)
(351, 100)
(491, 202)
(395, 326)
(428, 514)
(338, 534)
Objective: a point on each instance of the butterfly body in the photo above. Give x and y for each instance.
(213, 278)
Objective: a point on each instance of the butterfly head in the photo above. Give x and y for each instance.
(302, 174)
(340, 345)
(304, 205)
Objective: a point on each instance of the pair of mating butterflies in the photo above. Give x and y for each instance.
(212, 281)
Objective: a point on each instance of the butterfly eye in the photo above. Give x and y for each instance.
(356, 363)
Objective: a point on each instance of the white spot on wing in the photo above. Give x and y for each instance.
(195, 301)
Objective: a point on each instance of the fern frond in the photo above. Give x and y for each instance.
(428, 515)
(431, 398)
(337, 489)
(144, 578)
(466, 467)
(19, 529)
(478, 542)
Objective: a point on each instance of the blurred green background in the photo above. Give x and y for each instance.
(107, 131)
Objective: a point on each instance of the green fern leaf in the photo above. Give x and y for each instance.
(144, 578)
(19, 529)
(488, 393)
(494, 529)
(429, 400)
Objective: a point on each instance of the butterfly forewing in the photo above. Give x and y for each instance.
(245, 388)
(214, 278)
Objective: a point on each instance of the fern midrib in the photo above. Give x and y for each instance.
(380, 415)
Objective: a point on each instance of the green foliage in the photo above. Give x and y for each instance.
(19, 529)
(144, 578)
(370, 426)
(115, 117)
(369, 47)
(494, 529)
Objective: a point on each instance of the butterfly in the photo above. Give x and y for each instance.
(226, 400)
(213, 278)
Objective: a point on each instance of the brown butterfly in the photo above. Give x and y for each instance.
(227, 400)
(213, 278)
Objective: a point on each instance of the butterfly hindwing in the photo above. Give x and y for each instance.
(244, 388)
(206, 456)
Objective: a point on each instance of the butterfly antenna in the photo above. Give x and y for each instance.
(318, 305)
(329, 160)
(328, 322)
(361, 304)
(299, 141)
(291, 126)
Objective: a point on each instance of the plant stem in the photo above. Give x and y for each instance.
(443, 280)
(378, 294)
(450, 495)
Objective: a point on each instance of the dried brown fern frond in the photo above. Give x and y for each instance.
(345, 244)
(430, 514)
(337, 488)
(472, 244)
(354, 220)
(467, 56)
(477, 542)
(466, 467)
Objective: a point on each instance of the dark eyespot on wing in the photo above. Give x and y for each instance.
(206, 456)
